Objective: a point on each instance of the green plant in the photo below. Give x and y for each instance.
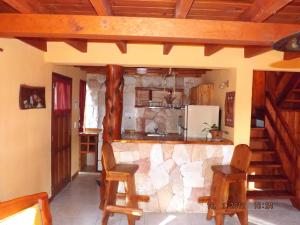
(209, 127)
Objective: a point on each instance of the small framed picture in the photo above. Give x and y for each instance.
(32, 97)
(229, 109)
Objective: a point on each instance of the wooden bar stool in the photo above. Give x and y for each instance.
(229, 188)
(116, 173)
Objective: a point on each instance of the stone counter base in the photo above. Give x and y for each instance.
(173, 175)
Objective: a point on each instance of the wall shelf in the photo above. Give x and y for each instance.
(154, 97)
(88, 145)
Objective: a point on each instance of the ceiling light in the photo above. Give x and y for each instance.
(290, 43)
(141, 71)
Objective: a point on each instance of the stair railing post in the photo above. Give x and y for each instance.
(296, 185)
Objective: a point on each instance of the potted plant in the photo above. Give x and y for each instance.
(214, 130)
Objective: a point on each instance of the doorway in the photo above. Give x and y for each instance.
(61, 132)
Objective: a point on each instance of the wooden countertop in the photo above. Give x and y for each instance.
(170, 139)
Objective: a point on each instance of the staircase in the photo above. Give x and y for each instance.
(265, 172)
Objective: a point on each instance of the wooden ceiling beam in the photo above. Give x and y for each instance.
(261, 10)
(291, 55)
(38, 43)
(94, 69)
(158, 30)
(182, 9)
(24, 6)
(103, 8)
(252, 51)
(167, 48)
(212, 49)
(80, 45)
(122, 45)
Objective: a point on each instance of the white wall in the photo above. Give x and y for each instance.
(217, 77)
(25, 135)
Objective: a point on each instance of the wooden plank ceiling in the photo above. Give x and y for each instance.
(257, 11)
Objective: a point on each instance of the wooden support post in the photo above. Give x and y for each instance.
(113, 103)
(113, 114)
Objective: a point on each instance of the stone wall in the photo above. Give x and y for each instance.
(173, 175)
(164, 119)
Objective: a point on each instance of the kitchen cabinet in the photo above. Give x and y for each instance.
(155, 97)
(201, 94)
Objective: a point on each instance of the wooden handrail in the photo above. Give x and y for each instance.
(281, 139)
(284, 123)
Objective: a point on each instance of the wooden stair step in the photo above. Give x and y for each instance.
(292, 101)
(263, 151)
(263, 164)
(258, 132)
(262, 139)
(266, 171)
(289, 108)
(267, 178)
(270, 194)
(260, 143)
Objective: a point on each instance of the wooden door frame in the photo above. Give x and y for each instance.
(81, 123)
(56, 76)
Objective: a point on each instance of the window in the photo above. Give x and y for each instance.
(62, 96)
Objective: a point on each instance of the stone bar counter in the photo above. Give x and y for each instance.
(174, 172)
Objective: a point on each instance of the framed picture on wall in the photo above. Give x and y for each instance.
(32, 97)
(229, 109)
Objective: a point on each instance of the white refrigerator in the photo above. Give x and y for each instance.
(195, 117)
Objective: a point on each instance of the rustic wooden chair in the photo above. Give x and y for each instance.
(116, 173)
(229, 188)
(27, 210)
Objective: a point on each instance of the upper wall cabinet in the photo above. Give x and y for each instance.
(157, 97)
(201, 94)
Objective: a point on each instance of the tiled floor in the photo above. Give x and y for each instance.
(78, 204)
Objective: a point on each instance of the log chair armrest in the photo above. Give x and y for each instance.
(126, 168)
(115, 176)
(121, 172)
